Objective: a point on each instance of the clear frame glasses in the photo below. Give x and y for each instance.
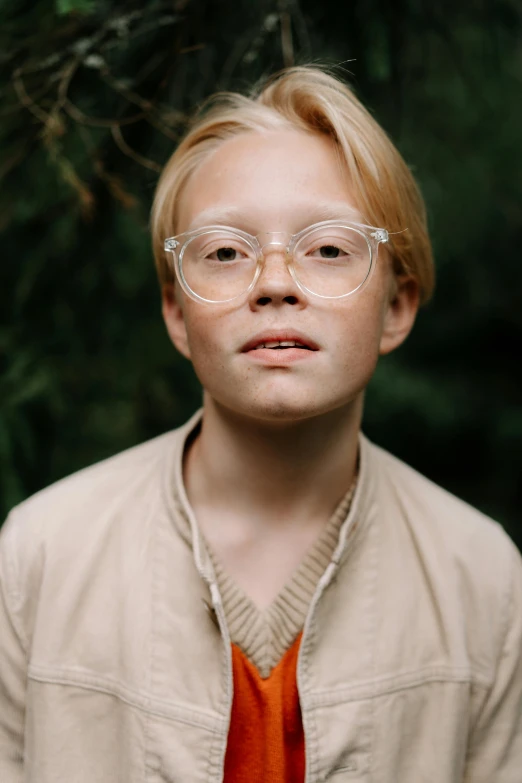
(331, 260)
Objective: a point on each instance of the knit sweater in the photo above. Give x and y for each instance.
(266, 737)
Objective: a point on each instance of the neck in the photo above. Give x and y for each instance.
(272, 476)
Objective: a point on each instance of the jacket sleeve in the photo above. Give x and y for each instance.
(495, 747)
(13, 672)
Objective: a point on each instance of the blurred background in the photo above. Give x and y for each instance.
(95, 96)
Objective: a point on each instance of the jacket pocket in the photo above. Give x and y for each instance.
(347, 770)
(340, 749)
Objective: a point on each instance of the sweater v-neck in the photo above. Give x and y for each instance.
(265, 635)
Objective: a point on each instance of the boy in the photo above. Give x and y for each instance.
(263, 594)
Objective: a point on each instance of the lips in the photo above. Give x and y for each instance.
(280, 336)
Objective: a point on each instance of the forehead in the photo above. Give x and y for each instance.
(278, 180)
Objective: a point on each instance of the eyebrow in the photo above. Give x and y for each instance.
(234, 217)
(213, 216)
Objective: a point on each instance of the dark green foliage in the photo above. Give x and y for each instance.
(95, 96)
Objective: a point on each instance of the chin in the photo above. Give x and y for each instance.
(285, 411)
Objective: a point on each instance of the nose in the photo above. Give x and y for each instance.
(276, 282)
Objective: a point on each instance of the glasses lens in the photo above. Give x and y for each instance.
(218, 265)
(332, 260)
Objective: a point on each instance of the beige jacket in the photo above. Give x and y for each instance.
(113, 671)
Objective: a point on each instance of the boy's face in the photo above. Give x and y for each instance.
(283, 181)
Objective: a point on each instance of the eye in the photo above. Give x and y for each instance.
(227, 253)
(329, 251)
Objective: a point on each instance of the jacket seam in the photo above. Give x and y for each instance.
(368, 690)
(507, 606)
(13, 595)
(377, 553)
(128, 696)
(150, 760)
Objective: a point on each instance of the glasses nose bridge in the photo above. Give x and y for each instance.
(272, 240)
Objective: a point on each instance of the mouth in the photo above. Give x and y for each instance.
(279, 356)
(288, 347)
(282, 341)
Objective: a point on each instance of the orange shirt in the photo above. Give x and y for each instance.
(266, 738)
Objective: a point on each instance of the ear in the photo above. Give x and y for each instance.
(172, 310)
(400, 313)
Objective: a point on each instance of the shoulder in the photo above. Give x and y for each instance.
(93, 487)
(457, 543)
(108, 498)
(431, 504)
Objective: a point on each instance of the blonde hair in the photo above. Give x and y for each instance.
(311, 99)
